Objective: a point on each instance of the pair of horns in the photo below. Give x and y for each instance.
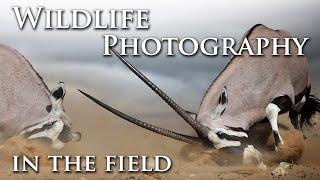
(202, 131)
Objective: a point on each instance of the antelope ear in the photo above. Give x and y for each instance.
(56, 97)
(223, 100)
(58, 92)
(222, 104)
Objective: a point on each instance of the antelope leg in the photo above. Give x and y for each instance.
(298, 107)
(272, 112)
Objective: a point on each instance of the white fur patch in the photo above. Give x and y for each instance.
(272, 112)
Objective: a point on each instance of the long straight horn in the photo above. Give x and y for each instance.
(162, 131)
(201, 130)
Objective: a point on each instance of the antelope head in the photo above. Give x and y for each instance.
(56, 125)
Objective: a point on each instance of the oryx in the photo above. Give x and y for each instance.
(248, 90)
(27, 107)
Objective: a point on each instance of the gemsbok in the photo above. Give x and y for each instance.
(247, 91)
(27, 106)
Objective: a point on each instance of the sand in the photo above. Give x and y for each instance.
(104, 134)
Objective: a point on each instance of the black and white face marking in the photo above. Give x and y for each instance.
(226, 138)
(48, 129)
(53, 127)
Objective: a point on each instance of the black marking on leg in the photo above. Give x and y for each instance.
(276, 137)
(284, 103)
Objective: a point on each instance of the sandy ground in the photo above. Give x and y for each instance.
(105, 134)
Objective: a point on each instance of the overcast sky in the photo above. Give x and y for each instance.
(76, 56)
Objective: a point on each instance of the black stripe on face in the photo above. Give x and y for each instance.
(222, 135)
(276, 137)
(43, 128)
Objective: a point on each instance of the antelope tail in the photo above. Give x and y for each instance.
(311, 106)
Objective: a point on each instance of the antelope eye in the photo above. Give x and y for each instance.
(49, 125)
(48, 108)
(219, 133)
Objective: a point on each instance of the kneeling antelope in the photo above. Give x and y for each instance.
(27, 106)
(248, 90)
